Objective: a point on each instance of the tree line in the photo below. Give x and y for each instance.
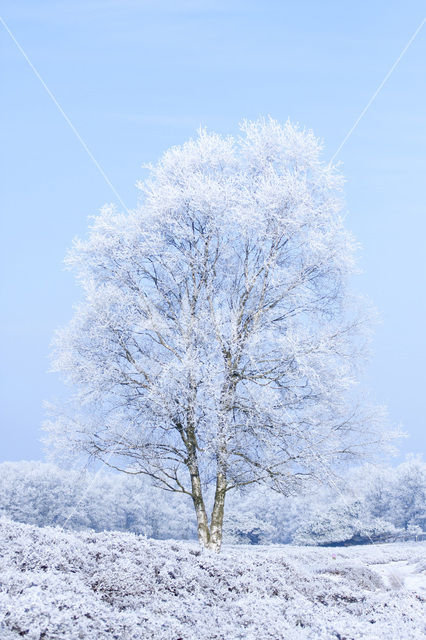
(374, 504)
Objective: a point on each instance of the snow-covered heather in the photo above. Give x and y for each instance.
(57, 584)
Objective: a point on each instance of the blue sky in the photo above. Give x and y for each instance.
(138, 77)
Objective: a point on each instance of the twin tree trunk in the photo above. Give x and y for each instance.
(209, 537)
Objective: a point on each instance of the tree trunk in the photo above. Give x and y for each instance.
(216, 525)
(194, 472)
(209, 537)
(200, 510)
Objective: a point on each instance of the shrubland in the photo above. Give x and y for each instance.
(62, 584)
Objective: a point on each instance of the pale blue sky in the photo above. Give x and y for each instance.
(137, 77)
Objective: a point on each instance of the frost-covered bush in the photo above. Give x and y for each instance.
(344, 523)
(83, 585)
(275, 517)
(377, 504)
(246, 529)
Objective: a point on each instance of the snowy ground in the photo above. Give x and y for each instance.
(119, 586)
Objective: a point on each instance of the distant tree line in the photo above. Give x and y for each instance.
(374, 504)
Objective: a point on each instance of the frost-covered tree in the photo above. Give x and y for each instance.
(216, 342)
(344, 523)
(45, 495)
(395, 494)
(374, 504)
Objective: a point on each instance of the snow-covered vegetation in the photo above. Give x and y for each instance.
(43, 494)
(70, 585)
(375, 503)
